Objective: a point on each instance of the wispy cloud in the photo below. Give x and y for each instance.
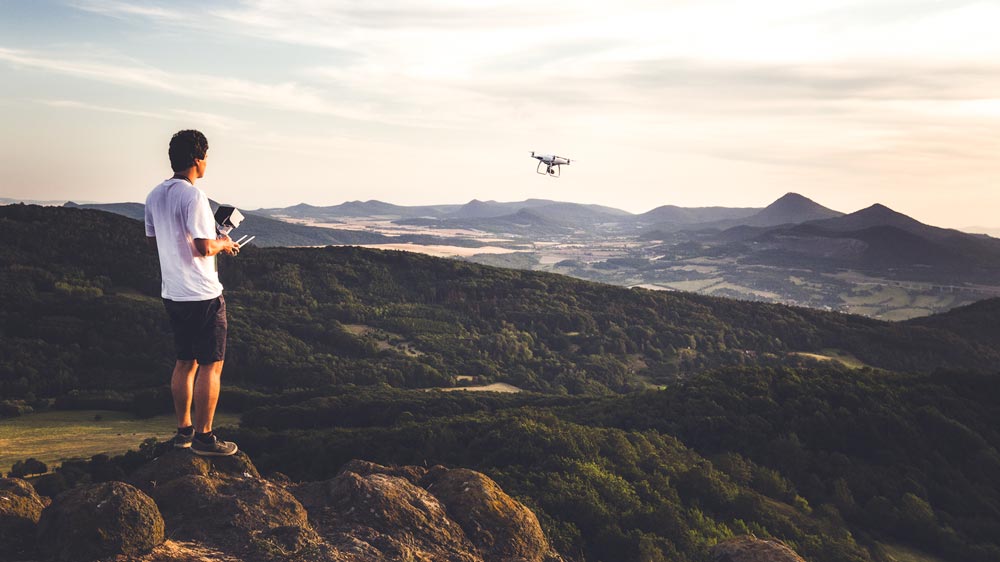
(879, 93)
(210, 120)
(119, 9)
(73, 104)
(287, 96)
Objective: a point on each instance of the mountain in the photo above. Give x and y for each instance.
(525, 222)
(452, 216)
(89, 274)
(975, 322)
(477, 209)
(988, 231)
(668, 215)
(651, 425)
(12, 201)
(269, 232)
(354, 209)
(880, 215)
(528, 219)
(790, 208)
(880, 238)
(131, 210)
(567, 212)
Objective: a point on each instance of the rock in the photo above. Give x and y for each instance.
(20, 509)
(223, 502)
(175, 463)
(752, 549)
(394, 517)
(500, 527)
(185, 551)
(219, 508)
(411, 473)
(99, 520)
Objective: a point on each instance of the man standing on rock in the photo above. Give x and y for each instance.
(180, 225)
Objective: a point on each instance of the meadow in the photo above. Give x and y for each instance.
(56, 436)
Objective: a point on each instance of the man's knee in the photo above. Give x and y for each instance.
(215, 367)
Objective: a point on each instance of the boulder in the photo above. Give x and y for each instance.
(175, 463)
(20, 509)
(97, 521)
(220, 509)
(752, 549)
(501, 528)
(374, 515)
(223, 501)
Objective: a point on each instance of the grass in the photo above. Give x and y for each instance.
(693, 285)
(53, 437)
(895, 303)
(899, 314)
(900, 553)
(495, 387)
(837, 355)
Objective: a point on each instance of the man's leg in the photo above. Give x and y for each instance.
(182, 387)
(206, 395)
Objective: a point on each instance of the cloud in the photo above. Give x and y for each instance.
(287, 96)
(118, 9)
(210, 120)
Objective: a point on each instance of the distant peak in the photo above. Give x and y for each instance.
(879, 209)
(791, 198)
(793, 195)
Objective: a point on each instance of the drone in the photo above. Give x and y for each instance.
(553, 164)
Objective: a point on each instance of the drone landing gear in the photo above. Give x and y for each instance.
(551, 171)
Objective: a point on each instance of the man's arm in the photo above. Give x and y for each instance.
(211, 247)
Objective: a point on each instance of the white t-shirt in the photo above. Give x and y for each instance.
(177, 213)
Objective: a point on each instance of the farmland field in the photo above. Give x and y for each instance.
(53, 437)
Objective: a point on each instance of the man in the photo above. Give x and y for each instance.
(180, 225)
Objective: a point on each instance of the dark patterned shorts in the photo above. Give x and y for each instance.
(199, 329)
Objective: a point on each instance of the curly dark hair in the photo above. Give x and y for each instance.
(185, 147)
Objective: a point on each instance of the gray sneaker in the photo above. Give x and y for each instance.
(213, 448)
(182, 441)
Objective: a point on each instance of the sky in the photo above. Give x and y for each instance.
(690, 103)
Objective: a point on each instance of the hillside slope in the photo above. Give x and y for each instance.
(351, 315)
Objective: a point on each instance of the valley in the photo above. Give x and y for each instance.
(874, 262)
(618, 258)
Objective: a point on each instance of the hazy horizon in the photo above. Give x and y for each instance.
(694, 104)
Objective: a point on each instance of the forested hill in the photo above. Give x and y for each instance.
(754, 432)
(80, 310)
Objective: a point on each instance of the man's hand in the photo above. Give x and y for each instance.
(223, 243)
(230, 247)
(233, 248)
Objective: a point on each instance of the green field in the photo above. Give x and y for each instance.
(53, 437)
(837, 355)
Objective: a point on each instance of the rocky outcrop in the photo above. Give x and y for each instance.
(752, 549)
(374, 512)
(500, 527)
(20, 509)
(374, 515)
(220, 508)
(99, 520)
